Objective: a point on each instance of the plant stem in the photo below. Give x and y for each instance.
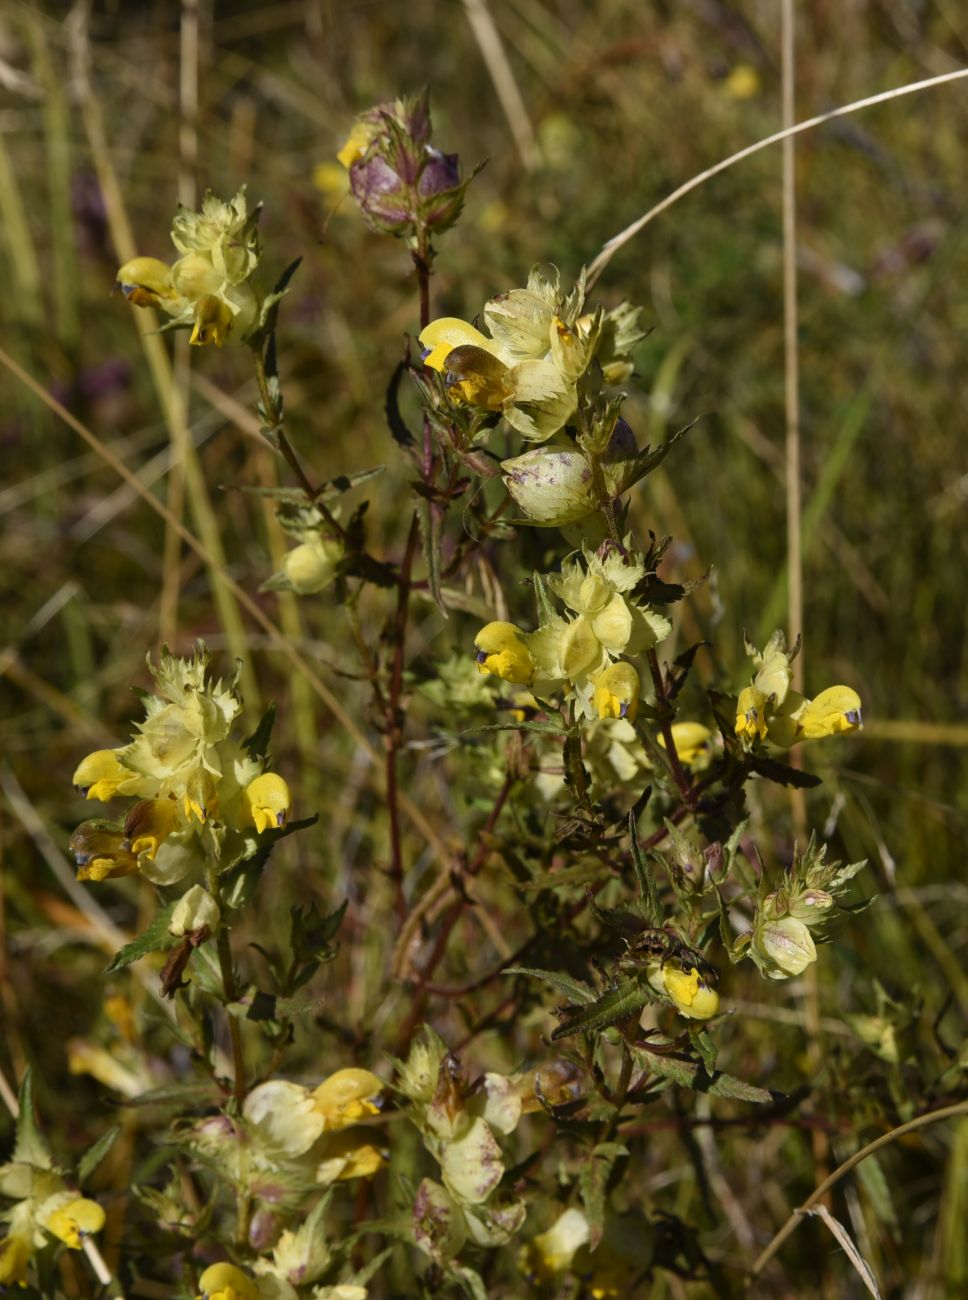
(679, 774)
(235, 1033)
(393, 736)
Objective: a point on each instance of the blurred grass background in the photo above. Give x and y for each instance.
(619, 102)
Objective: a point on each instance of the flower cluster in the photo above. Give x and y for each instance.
(540, 345)
(402, 183)
(579, 654)
(210, 289)
(203, 797)
(458, 1131)
(46, 1207)
(769, 709)
(802, 905)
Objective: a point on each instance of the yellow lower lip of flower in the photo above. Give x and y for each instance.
(267, 802)
(213, 322)
(750, 714)
(693, 997)
(226, 1282)
(15, 1254)
(500, 651)
(75, 1221)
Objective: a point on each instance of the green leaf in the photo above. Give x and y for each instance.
(781, 773)
(576, 991)
(870, 1174)
(651, 907)
(627, 998)
(30, 1147)
(155, 939)
(689, 1073)
(239, 883)
(544, 728)
(593, 1179)
(95, 1153)
(546, 608)
(391, 407)
(186, 1095)
(257, 745)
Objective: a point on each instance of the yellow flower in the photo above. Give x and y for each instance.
(75, 1220)
(347, 1097)
(101, 852)
(751, 715)
(15, 1252)
(361, 134)
(213, 320)
(552, 1251)
(617, 692)
(835, 711)
(349, 1154)
(147, 282)
(149, 823)
(743, 82)
(693, 744)
(226, 1282)
(502, 652)
(99, 775)
(267, 802)
(693, 996)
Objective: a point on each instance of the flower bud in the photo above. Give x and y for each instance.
(783, 947)
(811, 906)
(552, 487)
(195, 910)
(311, 566)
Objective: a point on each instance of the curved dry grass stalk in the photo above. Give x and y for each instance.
(612, 246)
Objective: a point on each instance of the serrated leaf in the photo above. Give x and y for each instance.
(546, 608)
(576, 991)
(395, 422)
(651, 907)
(155, 939)
(257, 745)
(689, 1073)
(593, 1178)
(95, 1153)
(627, 998)
(545, 728)
(781, 773)
(238, 884)
(188, 1095)
(30, 1146)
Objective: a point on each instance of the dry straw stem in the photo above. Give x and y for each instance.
(492, 52)
(171, 399)
(240, 595)
(612, 246)
(817, 1195)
